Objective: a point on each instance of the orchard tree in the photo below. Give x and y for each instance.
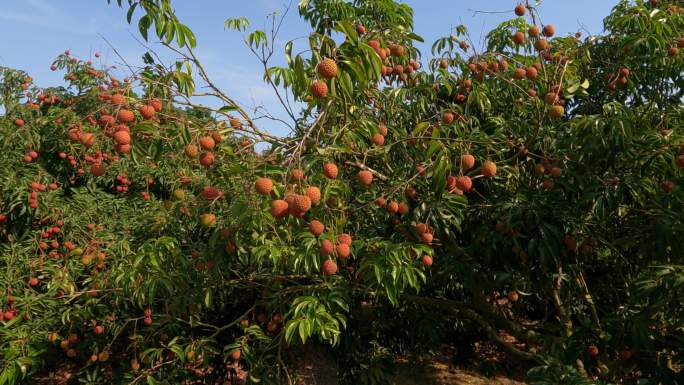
(528, 193)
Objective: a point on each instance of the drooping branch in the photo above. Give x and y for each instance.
(463, 310)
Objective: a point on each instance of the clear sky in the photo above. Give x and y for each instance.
(35, 31)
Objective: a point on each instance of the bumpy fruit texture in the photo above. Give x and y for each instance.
(329, 267)
(147, 112)
(279, 208)
(342, 251)
(191, 151)
(327, 247)
(489, 169)
(316, 227)
(345, 239)
(365, 177)
(207, 142)
(327, 68)
(263, 186)
(314, 194)
(319, 89)
(297, 175)
(126, 116)
(330, 170)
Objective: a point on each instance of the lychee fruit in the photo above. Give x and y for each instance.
(211, 193)
(344, 238)
(519, 10)
(464, 183)
(207, 159)
(147, 111)
(300, 205)
(319, 89)
(329, 267)
(207, 220)
(556, 112)
(534, 31)
(327, 68)
(191, 151)
(592, 350)
(279, 208)
(541, 45)
(403, 208)
(365, 177)
(207, 142)
(327, 247)
(125, 116)
(513, 296)
(342, 251)
(156, 104)
(382, 129)
(263, 186)
(518, 38)
(378, 139)
(330, 170)
(122, 137)
(316, 227)
(549, 30)
(314, 194)
(467, 162)
(297, 175)
(519, 73)
(488, 168)
(427, 260)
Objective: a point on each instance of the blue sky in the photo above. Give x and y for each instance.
(35, 31)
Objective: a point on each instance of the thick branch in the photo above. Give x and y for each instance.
(462, 310)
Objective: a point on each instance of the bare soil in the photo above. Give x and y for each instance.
(319, 368)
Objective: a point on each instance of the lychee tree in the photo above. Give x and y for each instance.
(529, 194)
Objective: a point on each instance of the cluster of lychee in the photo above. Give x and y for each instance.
(207, 144)
(393, 69)
(298, 204)
(327, 69)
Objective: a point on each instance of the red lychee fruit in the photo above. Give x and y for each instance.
(365, 177)
(314, 193)
(147, 111)
(125, 116)
(316, 227)
(279, 208)
(329, 267)
(263, 186)
(319, 89)
(342, 251)
(327, 68)
(345, 239)
(330, 170)
(327, 247)
(519, 10)
(488, 168)
(467, 162)
(207, 142)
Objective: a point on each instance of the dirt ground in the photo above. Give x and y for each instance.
(439, 371)
(319, 369)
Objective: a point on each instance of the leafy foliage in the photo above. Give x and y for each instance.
(529, 189)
